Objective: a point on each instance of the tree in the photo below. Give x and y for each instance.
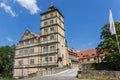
(6, 60)
(109, 44)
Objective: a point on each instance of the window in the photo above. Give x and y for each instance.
(50, 58)
(52, 29)
(94, 58)
(45, 38)
(88, 59)
(20, 52)
(32, 50)
(32, 41)
(51, 21)
(26, 51)
(51, 37)
(82, 60)
(21, 43)
(45, 48)
(31, 61)
(45, 23)
(45, 30)
(20, 62)
(51, 14)
(46, 59)
(26, 42)
(52, 48)
(45, 16)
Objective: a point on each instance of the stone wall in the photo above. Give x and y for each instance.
(49, 71)
(105, 75)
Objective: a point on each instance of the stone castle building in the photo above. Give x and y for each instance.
(35, 53)
(45, 51)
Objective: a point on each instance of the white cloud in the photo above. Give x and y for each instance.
(9, 39)
(7, 9)
(29, 5)
(90, 44)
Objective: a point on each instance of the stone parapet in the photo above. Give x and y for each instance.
(99, 74)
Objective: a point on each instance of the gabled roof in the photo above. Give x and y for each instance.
(31, 35)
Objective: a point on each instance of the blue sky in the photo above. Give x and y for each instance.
(83, 19)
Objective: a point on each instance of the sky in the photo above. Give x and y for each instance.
(83, 19)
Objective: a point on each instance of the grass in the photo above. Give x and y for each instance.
(1, 78)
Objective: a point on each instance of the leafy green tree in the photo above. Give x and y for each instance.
(109, 44)
(6, 60)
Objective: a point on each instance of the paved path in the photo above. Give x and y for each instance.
(69, 74)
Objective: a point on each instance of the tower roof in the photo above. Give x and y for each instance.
(52, 8)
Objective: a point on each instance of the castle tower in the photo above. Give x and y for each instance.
(53, 43)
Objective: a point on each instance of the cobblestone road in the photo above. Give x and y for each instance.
(65, 75)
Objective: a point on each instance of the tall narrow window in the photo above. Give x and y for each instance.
(26, 42)
(51, 21)
(52, 37)
(50, 58)
(51, 29)
(45, 23)
(45, 48)
(31, 61)
(46, 59)
(45, 30)
(45, 38)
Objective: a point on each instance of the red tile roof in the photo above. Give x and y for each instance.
(87, 53)
(72, 51)
(36, 35)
